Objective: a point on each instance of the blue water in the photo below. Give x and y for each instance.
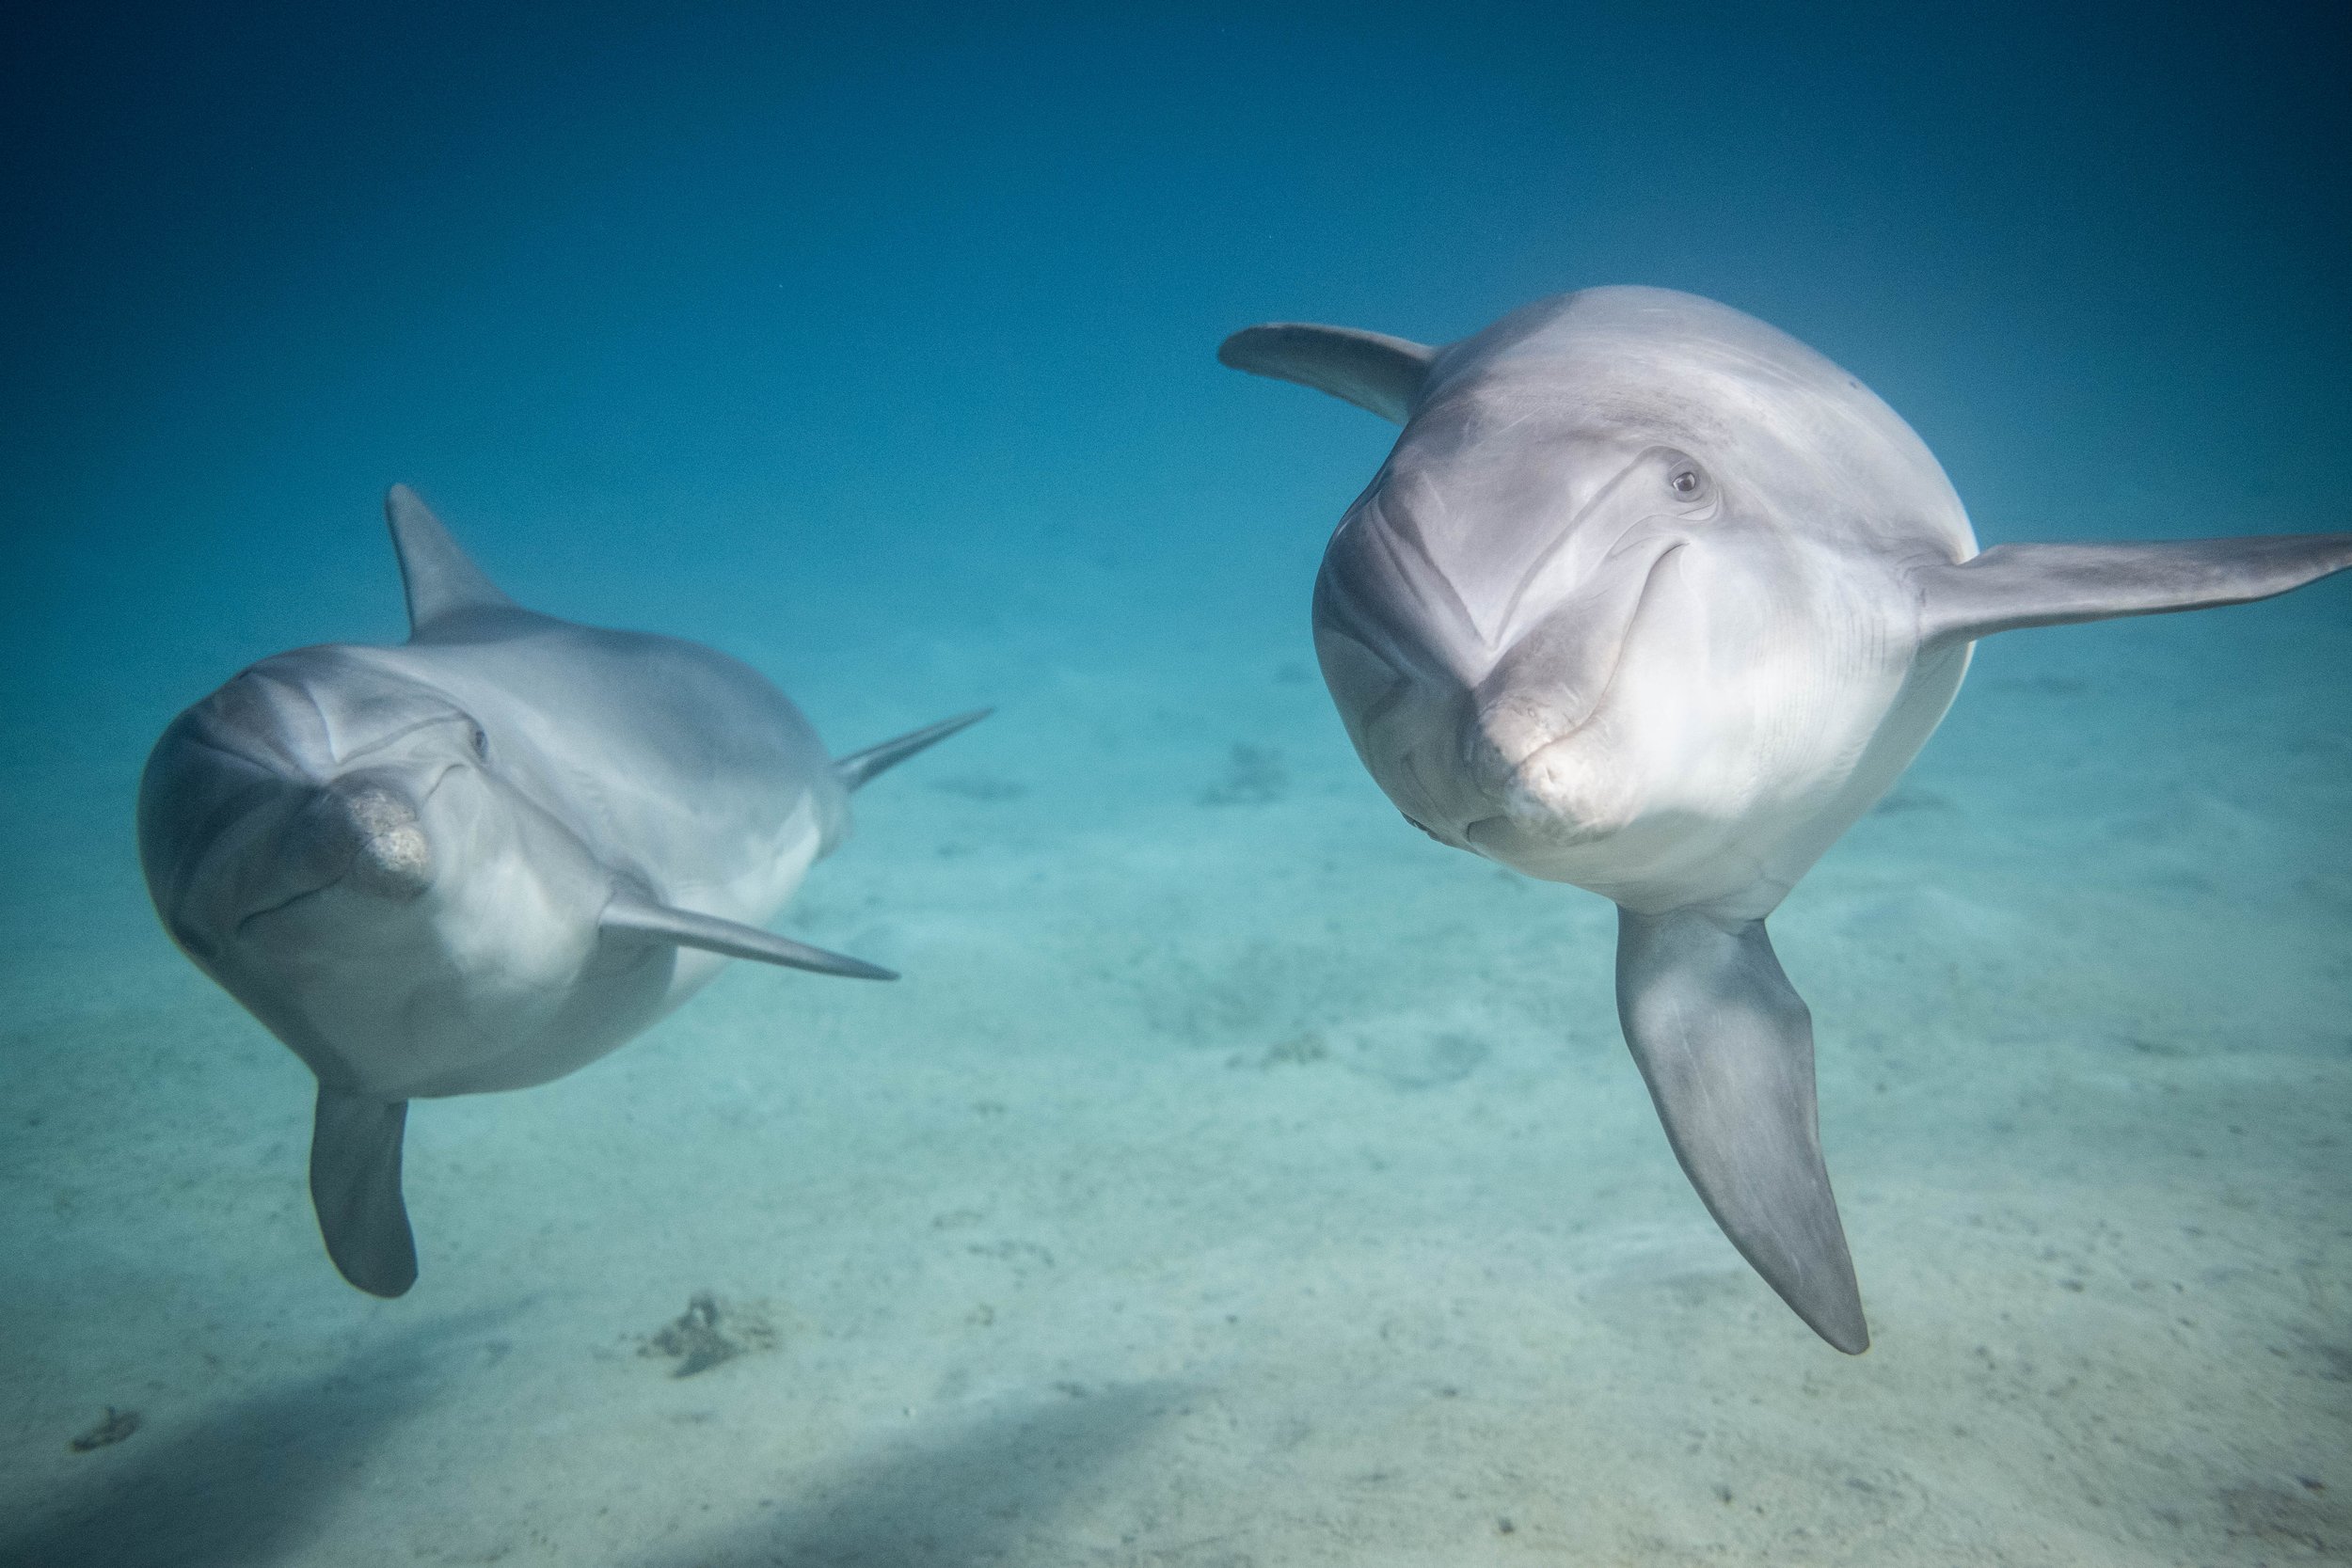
(1237, 1178)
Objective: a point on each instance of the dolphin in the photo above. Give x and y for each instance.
(482, 859)
(1651, 598)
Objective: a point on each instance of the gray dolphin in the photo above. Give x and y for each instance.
(1651, 598)
(480, 860)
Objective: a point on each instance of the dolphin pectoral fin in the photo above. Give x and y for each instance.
(355, 1186)
(2013, 586)
(1371, 370)
(437, 574)
(1725, 1044)
(686, 928)
(856, 769)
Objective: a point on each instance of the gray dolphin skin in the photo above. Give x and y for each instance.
(1651, 598)
(481, 860)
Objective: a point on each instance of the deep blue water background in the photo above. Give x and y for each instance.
(813, 331)
(876, 345)
(923, 302)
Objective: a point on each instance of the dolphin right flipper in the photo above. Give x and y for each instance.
(1725, 1044)
(355, 1186)
(2010, 587)
(1372, 370)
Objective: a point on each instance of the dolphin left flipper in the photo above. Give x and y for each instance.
(355, 1187)
(1725, 1044)
(2009, 587)
(687, 928)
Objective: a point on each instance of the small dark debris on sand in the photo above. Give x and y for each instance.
(708, 1333)
(1254, 776)
(1297, 1050)
(117, 1425)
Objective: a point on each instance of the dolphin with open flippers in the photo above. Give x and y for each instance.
(1651, 598)
(482, 859)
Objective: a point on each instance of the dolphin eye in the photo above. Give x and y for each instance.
(482, 743)
(1687, 480)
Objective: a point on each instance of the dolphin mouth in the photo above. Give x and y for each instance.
(1506, 738)
(364, 835)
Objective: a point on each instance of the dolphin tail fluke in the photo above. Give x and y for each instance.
(855, 770)
(1725, 1044)
(1377, 372)
(355, 1186)
(732, 939)
(2013, 586)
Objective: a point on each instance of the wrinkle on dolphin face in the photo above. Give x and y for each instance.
(1469, 616)
(1476, 612)
(411, 918)
(1653, 599)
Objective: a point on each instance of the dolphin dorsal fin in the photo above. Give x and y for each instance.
(1371, 370)
(438, 576)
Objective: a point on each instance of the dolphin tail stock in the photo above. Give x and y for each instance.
(2013, 586)
(730, 939)
(355, 1187)
(1375, 371)
(1725, 1044)
(855, 770)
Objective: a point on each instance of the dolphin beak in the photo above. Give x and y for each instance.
(1552, 683)
(390, 856)
(361, 831)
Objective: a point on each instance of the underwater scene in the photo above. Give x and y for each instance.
(999, 785)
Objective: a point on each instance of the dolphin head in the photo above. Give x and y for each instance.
(343, 846)
(1620, 609)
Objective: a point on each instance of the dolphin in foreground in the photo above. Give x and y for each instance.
(482, 859)
(1651, 598)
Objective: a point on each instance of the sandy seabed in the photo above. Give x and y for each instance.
(1238, 1178)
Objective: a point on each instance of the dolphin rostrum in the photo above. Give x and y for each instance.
(482, 859)
(1651, 598)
